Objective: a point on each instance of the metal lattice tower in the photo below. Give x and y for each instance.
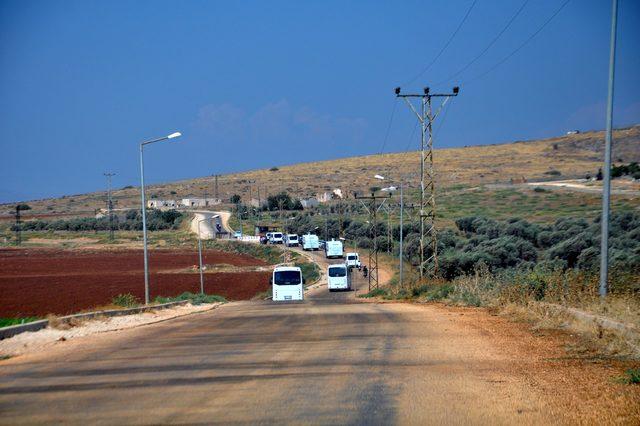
(373, 226)
(109, 203)
(428, 232)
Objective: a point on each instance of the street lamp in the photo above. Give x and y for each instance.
(200, 255)
(400, 255)
(144, 210)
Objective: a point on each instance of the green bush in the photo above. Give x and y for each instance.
(126, 301)
(632, 376)
(195, 299)
(375, 293)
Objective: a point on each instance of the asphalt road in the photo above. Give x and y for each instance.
(328, 360)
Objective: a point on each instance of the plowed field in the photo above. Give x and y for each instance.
(36, 282)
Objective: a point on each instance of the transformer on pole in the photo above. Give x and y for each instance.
(428, 232)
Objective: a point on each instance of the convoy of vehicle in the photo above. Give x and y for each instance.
(338, 277)
(287, 283)
(333, 249)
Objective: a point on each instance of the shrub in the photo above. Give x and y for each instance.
(195, 299)
(126, 301)
(274, 169)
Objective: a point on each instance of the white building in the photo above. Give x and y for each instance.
(328, 196)
(156, 204)
(199, 202)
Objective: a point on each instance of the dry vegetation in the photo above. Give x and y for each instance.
(571, 156)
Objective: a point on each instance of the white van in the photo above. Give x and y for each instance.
(338, 277)
(276, 238)
(310, 242)
(333, 249)
(292, 240)
(353, 260)
(287, 283)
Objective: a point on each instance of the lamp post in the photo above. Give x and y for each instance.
(400, 255)
(200, 255)
(144, 210)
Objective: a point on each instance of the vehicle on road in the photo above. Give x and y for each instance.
(310, 242)
(338, 277)
(287, 283)
(353, 260)
(333, 249)
(269, 235)
(276, 238)
(291, 240)
(237, 234)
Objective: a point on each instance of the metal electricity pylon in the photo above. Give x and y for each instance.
(372, 209)
(109, 203)
(426, 117)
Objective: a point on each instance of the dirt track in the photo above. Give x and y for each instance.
(68, 281)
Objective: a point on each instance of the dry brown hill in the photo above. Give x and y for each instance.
(565, 156)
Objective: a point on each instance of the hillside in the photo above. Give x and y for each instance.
(562, 157)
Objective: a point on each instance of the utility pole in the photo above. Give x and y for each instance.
(426, 117)
(606, 183)
(215, 187)
(18, 226)
(373, 222)
(109, 175)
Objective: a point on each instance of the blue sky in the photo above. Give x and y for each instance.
(255, 84)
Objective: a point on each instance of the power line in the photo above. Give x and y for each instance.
(531, 37)
(428, 67)
(413, 133)
(495, 39)
(386, 136)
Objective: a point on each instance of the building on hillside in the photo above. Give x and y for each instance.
(119, 214)
(199, 202)
(336, 194)
(255, 203)
(156, 204)
(309, 202)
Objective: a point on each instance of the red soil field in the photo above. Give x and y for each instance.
(37, 282)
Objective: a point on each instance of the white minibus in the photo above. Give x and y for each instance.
(338, 277)
(333, 249)
(310, 242)
(287, 283)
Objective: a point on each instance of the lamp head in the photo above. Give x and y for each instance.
(397, 90)
(456, 89)
(174, 135)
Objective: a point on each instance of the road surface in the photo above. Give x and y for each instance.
(331, 359)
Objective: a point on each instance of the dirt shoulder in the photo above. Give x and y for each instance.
(38, 341)
(576, 384)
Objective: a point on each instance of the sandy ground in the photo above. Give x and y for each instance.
(619, 186)
(35, 342)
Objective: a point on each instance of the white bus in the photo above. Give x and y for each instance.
(338, 277)
(287, 283)
(310, 242)
(333, 249)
